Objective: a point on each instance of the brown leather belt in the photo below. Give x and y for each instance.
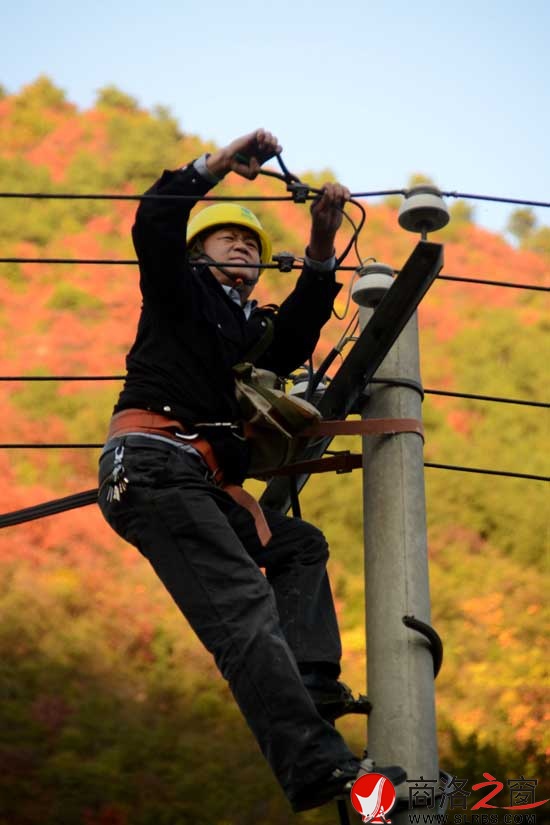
(151, 423)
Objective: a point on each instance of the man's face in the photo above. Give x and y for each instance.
(235, 245)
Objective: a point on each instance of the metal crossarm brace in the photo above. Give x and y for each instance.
(377, 338)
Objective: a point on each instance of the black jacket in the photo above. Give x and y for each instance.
(191, 333)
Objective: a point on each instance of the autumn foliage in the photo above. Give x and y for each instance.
(111, 712)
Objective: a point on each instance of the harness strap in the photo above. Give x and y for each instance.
(368, 426)
(346, 462)
(143, 421)
(342, 463)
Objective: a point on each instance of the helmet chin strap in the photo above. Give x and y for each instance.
(237, 280)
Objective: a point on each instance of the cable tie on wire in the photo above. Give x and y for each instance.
(285, 261)
(299, 191)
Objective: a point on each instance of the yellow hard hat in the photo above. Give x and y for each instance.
(221, 214)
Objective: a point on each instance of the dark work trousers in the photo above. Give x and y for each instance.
(205, 549)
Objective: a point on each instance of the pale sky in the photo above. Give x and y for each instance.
(376, 91)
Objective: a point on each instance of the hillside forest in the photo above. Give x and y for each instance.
(111, 713)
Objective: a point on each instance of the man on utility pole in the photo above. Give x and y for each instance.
(176, 456)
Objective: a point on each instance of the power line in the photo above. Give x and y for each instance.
(49, 508)
(519, 201)
(491, 398)
(134, 262)
(307, 196)
(94, 261)
(448, 393)
(95, 196)
(508, 284)
(457, 468)
(121, 377)
(46, 446)
(374, 194)
(464, 195)
(62, 377)
(484, 471)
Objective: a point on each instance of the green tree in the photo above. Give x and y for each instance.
(141, 147)
(461, 212)
(495, 357)
(521, 223)
(539, 241)
(316, 179)
(109, 97)
(31, 116)
(418, 178)
(164, 115)
(42, 93)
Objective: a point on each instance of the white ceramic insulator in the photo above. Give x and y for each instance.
(373, 284)
(423, 210)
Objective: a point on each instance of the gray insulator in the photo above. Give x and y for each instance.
(375, 280)
(423, 210)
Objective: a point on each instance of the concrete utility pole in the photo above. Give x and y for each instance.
(400, 675)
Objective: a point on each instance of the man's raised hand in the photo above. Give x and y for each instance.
(245, 155)
(327, 212)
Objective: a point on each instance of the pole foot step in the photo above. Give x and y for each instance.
(351, 704)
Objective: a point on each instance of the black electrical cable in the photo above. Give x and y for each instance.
(379, 194)
(484, 471)
(491, 398)
(465, 195)
(49, 508)
(469, 196)
(301, 190)
(415, 385)
(45, 446)
(457, 468)
(91, 261)
(317, 377)
(436, 645)
(90, 497)
(62, 377)
(101, 197)
(267, 172)
(294, 497)
(356, 231)
(289, 176)
(127, 262)
(297, 266)
(493, 283)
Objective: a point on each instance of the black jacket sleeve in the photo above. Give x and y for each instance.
(298, 324)
(159, 232)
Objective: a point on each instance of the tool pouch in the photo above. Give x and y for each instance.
(273, 420)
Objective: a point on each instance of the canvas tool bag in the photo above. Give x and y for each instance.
(273, 420)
